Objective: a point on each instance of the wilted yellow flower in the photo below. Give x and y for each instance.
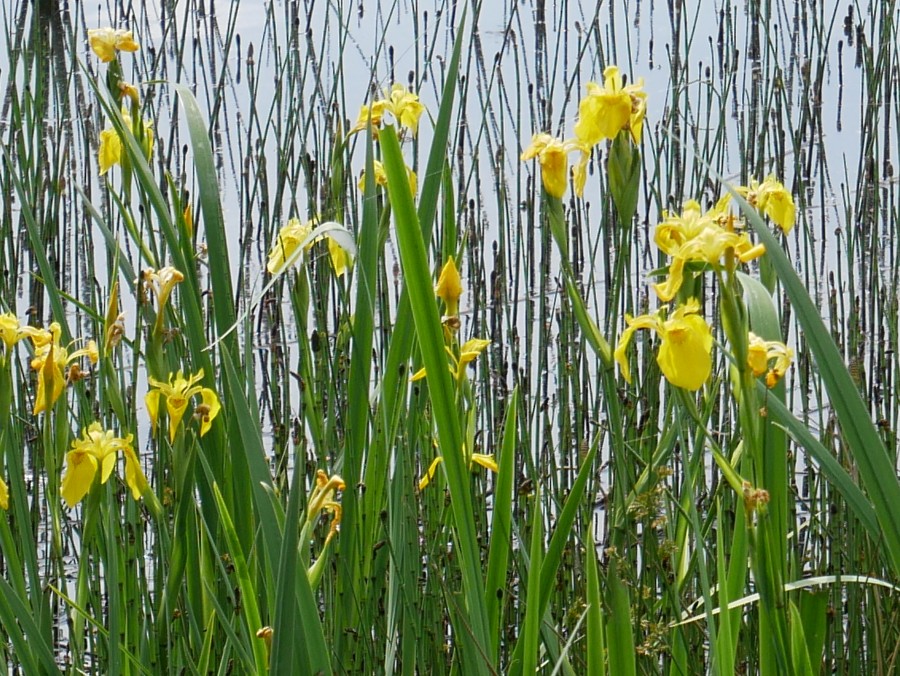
(553, 155)
(107, 41)
(110, 151)
(486, 461)
(773, 199)
(607, 110)
(449, 287)
(322, 499)
(685, 347)
(295, 234)
(96, 451)
(698, 237)
(760, 352)
(382, 180)
(161, 283)
(178, 391)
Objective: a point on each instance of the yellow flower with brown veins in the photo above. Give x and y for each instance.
(685, 348)
(607, 110)
(95, 452)
(760, 352)
(106, 42)
(178, 392)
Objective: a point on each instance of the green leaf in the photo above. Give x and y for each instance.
(876, 466)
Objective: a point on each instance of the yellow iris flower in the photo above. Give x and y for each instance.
(760, 352)
(403, 104)
(178, 391)
(698, 237)
(51, 359)
(106, 42)
(685, 347)
(486, 461)
(773, 199)
(292, 236)
(110, 150)
(382, 180)
(553, 156)
(607, 110)
(467, 354)
(96, 452)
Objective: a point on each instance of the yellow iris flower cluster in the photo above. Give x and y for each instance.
(295, 234)
(602, 113)
(401, 103)
(95, 452)
(705, 238)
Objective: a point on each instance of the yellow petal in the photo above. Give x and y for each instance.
(429, 475)
(110, 152)
(486, 461)
(210, 409)
(134, 475)
(4, 494)
(151, 400)
(685, 353)
(76, 482)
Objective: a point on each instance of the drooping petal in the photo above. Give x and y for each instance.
(151, 400)
(486, 461)
(209, 409)
(429, 475)
(685, 353)
(632, 325)
(110, 152)
(81, 468)
(134, 475)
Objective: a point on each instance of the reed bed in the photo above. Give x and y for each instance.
(322, 347)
